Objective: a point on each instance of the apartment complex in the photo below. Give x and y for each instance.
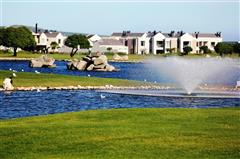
(44, 39)
(158, 42)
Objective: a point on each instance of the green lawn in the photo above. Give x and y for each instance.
(124, 133)
(132, 57)
(63, 56)
(26, 79)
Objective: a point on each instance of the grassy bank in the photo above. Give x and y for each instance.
(62, 56)
(124, 133)
(26, 79)
(132, 57)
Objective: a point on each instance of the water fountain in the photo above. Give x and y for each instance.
(191, 77)
(190, 73)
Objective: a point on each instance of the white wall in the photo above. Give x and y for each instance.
(157, 37)
(93, 39)
(115, 48)
(209, 41)
(144, 48)
(187, 37)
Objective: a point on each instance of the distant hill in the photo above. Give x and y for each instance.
(31, 28)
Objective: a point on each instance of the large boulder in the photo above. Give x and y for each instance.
(42, 61)
(7, 84)
(91, 63)
(90, 67)
(100, 60)
(110, 68)
(125, 58)
(102, 66)
(81, 65)
(117, 57)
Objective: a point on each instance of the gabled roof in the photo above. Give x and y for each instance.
(110, 42)
(206, 35)
(52, 34)
(90, 35)
(128, 34)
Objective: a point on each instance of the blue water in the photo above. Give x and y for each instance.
(32, 103)
(133, 71)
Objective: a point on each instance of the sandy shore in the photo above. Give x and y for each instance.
(111, 87)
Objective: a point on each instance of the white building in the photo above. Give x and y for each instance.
(113, 44)
(44, 40)
(93, 38)
(158, 42)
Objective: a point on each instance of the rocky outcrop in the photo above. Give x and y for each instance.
(42, 61)
(117, 57)
(92, 62)
(7, 84)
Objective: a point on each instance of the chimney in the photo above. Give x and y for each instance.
(172, 33)
(124, 33)
(154, 32)
(219, 34)
(36, 28)
(181, 33)
(196, 34)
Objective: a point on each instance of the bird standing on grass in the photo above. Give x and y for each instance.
(14, 75)
(37, 72)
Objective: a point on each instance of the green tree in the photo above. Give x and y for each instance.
(223, 48)
(77, 41)
(204, 49)
(187, 50)
(2, 31)
(109, 49)
(54, 45)
(18, 38)
(236, 48)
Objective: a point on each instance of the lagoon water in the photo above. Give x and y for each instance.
(32, 103)
(132, 71)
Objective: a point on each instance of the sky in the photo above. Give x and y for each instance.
(106, 16)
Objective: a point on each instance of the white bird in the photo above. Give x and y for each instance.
(89, 75)
(145, 80)
(14, 75)
(22, 70)
(14, 70)
(37, 72)
(155, 81)
(102, 96)
(38, 90)
(10, 69)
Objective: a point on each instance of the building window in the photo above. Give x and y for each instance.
(126, 43)
(59, 41)
(142, 43)
(213, 43)
(160, 43)
(197, 44)
(47, 39)
(186, 43)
